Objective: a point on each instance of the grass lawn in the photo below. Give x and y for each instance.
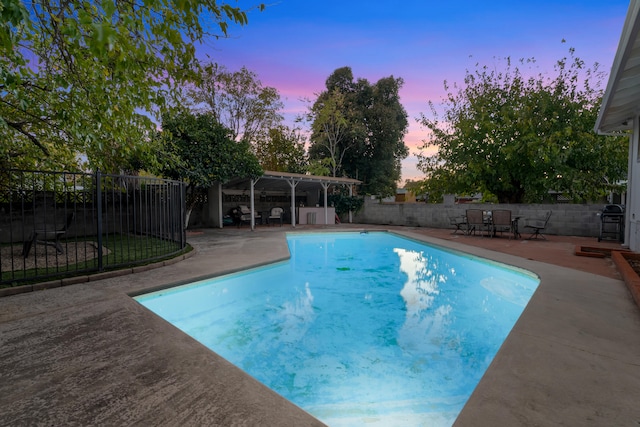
(81, 257)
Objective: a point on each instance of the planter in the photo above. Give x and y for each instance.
(628, 264)
(596, 252)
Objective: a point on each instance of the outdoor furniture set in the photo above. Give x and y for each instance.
(242, 214)
(489, 223)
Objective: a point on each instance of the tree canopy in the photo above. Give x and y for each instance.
(87, 77)
(360, 128)
(239, 101)
(200, 151)
(517, 138)
(283, 151)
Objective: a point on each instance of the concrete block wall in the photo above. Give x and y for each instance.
(566, 219)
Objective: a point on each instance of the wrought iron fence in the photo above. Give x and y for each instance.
(57, 224)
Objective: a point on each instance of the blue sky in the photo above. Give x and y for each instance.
(294, 45)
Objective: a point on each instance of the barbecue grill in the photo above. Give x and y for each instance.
(612, 222)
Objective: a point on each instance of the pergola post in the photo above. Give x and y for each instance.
(220, 213)
(293, 183)
(350, 212)
(253, 214)
(325, 187)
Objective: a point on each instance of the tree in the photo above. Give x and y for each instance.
(238, 101)
(518, 138)
(360, 127)
(330, 129)
(88, 78)
(376, 159)
(416, 187)
(283, 151)
(200, 151)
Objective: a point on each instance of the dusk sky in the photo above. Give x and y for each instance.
(294, 45)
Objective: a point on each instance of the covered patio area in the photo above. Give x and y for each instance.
(302, 197)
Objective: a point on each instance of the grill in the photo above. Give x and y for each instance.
(612, 223)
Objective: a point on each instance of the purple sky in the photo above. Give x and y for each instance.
(294, 45)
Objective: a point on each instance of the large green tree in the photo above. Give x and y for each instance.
(376, 158)
(517, 137)
(360, 128)
(283, 151)
(332, 128)
(201, 151)
(90, 77)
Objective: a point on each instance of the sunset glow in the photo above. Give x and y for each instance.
(295, 45)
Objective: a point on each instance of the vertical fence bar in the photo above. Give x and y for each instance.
(98, 179)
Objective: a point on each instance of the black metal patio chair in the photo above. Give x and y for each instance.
(48, 237)
(536, 227)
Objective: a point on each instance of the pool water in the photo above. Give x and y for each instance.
(358, 328)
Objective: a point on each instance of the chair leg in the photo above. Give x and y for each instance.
(26, 247)
(58, 246)
(537, 235)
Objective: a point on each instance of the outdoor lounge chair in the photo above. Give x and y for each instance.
(50, 237)
(275, 215)
(476, 221)
(501, 221)
(536, 226)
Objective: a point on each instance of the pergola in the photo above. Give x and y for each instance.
(620, 113)
(278, 181)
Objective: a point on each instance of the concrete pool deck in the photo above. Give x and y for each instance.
(87, 354)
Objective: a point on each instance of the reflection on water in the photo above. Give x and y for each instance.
(295, 317)
(424, 324)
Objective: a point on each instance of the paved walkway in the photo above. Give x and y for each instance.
(87, 354)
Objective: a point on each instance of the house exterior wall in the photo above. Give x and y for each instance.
(632, 234)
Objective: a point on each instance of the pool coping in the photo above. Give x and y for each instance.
(89, 354)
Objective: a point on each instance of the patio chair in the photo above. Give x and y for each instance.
(243, 214)
(276, 215)
(476, 221)
(460, 224)
(501, 221)
(49, 237)
(536, 226)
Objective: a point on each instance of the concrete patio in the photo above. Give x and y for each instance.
(87, 354)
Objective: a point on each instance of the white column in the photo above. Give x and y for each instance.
(293, 184)
(253, 215)
(350, 195)
(325, 187)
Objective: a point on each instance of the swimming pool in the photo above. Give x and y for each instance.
(358, 328)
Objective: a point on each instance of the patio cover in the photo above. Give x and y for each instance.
(620, 113)
(283, 181)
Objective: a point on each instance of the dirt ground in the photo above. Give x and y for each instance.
(46, 256)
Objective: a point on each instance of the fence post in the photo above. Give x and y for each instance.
(99, 216)
(183, 217)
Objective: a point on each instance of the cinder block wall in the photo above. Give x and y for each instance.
(566, 219)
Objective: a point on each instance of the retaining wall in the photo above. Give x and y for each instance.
(566, 219)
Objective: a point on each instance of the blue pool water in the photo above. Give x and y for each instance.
(358, 328)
